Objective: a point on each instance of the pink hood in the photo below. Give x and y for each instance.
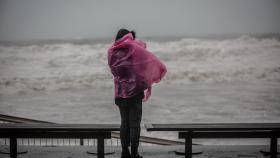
(134, 68)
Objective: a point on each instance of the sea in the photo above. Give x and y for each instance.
(216, 79)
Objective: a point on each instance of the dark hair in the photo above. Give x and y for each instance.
(123, 32)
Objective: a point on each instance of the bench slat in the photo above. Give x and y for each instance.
(58, 127)
(213, 127)
(60, 135)
(249, 134)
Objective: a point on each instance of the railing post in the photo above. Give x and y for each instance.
(100, 147)
(188, 145)
(13, 147)
(273, 145)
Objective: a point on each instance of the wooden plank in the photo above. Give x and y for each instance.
(152, 140)
(148, 126)
(52, 134)
(214, 127)
(15, 119)
(217, 134)
(59, 127)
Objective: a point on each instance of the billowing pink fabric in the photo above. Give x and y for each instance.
(134, 68)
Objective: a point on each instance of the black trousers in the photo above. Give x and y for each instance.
(131, 114)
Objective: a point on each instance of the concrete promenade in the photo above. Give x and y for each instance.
(213, 151)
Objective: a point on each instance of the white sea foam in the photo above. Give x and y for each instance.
(61, 66)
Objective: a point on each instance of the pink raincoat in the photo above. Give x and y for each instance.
(134, 68)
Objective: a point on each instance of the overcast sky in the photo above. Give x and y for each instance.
(62, 19)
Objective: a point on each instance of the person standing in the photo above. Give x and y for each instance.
(135, 69)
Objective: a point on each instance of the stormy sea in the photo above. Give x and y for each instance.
(208, 80)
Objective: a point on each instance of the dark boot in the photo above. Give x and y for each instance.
(134, 153)
(136, 156)
(125, 153)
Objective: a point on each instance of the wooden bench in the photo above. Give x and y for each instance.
(42, 130)
(222, 130)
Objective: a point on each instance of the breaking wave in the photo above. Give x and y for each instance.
(42, 67)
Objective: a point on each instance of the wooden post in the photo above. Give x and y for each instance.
(273, 145)
(188, 145)
(13, 147)
(100, 147)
